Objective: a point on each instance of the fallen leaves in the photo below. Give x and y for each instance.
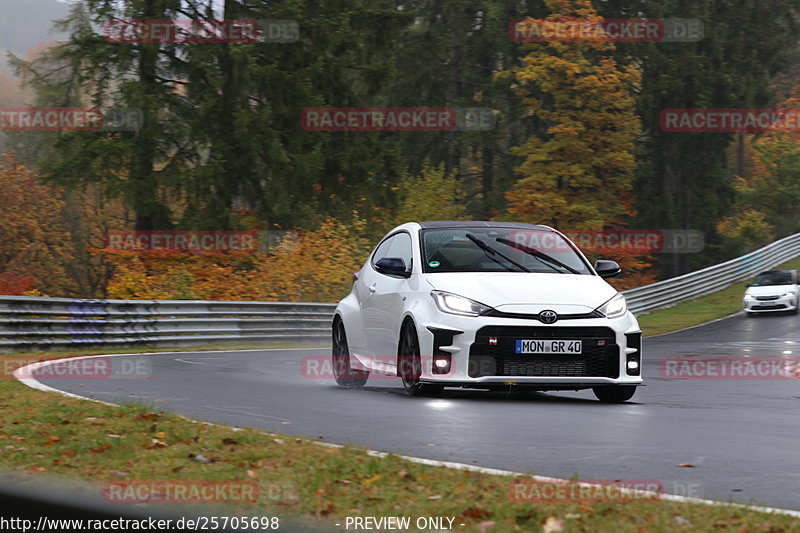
(158, 441)
(405, 475)
(553, 525)
(476, 513)
(484, 526)
(685, 465)
(681, 521)
(101, 449)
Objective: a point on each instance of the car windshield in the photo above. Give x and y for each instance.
(773, 278)
(482, 249)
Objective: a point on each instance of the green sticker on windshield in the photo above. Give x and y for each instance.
(433, 264)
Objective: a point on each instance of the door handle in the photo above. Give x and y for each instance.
(373, 288)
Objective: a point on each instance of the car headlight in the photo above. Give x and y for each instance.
(615, 307)
(790, 293)
(458, 305)
(748, 296)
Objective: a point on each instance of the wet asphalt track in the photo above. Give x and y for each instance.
(742, 436)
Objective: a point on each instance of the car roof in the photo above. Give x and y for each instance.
(479, 224)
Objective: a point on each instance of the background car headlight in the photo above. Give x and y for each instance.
(615, 307)
(458, 305)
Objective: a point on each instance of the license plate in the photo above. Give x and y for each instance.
(548, 346)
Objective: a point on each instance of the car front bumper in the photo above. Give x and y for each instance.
(480, 352)
(782, 303)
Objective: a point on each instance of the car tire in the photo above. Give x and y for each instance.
(409, 365)
(344, 374)
(615, 393)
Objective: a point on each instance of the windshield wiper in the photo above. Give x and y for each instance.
(537, 254)
(491, 252)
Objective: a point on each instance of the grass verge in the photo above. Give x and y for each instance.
(45, 433)
(701, 310)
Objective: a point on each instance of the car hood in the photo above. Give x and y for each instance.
(525, 292)
(770, 290)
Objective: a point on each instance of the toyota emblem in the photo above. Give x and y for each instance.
(548, 317)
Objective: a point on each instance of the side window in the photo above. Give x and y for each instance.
(398, 246)
(382, 250)
(401, 247)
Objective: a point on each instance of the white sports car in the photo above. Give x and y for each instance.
(774, 290)
(486, 305)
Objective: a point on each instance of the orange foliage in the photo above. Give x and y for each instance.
(13, 284)
(33, 241)
(306, 266)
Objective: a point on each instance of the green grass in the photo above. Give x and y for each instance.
(47, 434)
(704, 309)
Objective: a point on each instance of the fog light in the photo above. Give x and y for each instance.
(633, 365)
(441, 364)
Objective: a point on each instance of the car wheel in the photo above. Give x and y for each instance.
(345, 375)
(614, 394)
(410, 365)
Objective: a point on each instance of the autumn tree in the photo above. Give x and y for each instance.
(433, 194)
(767, 202)
(580, 174)
(34, 245)
(684, 180)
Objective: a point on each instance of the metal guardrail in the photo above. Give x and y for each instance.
(41, 323)
(695, 284)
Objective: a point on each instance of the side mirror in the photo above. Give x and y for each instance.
(392, 266)
(607, 269)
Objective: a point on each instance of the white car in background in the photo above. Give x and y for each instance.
(774, 290)
(486, 305)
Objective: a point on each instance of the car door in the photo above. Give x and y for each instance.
(385, 302)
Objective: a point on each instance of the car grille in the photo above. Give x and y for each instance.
(766, 298)
(765, 307)
(599, 356)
